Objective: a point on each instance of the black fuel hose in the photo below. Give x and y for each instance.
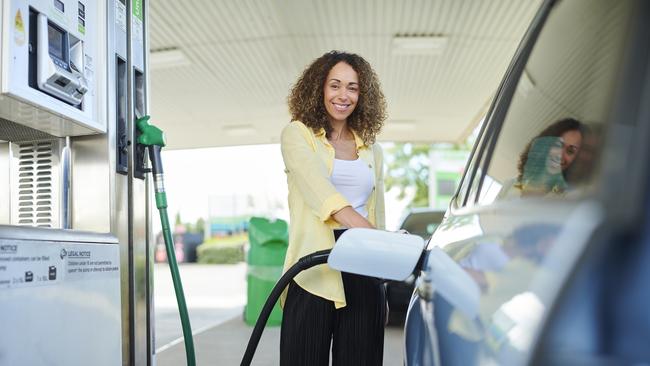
(303, 263)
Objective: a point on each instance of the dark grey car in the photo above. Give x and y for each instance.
(550, 224)
(421, 222)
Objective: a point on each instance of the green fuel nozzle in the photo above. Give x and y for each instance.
(153, 138)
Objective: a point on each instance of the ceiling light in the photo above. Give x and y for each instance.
(419, 44)
(400, 125)
(239, 130)
(167, 57)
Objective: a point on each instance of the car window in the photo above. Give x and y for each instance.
(466, 190)
(464, 185)
(551, 137)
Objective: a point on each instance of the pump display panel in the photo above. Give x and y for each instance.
(54, 65)
(58, 43)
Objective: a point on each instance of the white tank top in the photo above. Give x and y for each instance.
(354, 180)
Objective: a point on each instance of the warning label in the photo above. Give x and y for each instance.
(24, 264)
(21, 267)
(91, 266)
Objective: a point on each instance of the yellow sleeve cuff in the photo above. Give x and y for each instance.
(331, 205)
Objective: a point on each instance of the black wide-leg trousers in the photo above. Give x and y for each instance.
(310, 324)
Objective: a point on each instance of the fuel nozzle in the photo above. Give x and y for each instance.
(154, 139)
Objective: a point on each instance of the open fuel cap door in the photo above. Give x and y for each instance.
(376, 253)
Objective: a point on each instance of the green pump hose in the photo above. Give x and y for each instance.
(152, 137)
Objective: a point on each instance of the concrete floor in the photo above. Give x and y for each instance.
(225, 345)
(215, 296)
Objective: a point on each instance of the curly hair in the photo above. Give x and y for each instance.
(556, 129)
(535, 176)
(306, 97)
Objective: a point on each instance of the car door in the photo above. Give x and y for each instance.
(530, 198)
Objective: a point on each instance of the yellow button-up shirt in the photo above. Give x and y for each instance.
(309, 159)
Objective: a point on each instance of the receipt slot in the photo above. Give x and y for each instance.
(53, 66)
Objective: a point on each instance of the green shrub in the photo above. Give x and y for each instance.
(220, 253)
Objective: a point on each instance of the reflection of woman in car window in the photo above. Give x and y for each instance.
(542, 172)
(529, 242)
(571, 132)
(545, 161)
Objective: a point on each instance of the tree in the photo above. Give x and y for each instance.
(199, 227)
(408, 166)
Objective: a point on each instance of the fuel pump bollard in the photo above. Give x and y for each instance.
(154, 139)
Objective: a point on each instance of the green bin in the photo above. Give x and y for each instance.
(268, 241)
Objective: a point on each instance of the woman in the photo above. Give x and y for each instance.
(335, 178)
(570, 131)
(542, 172)
(554, 150)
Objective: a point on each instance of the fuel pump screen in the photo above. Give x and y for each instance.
(56, 41)
(59, 5)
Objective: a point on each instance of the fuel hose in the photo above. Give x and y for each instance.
(303, 263)
(154, 139)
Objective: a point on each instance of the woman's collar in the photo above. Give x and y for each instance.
(357, 140)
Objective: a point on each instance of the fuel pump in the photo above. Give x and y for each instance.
(75, 242)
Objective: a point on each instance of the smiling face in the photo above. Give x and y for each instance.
(572, 142)
(341, 92)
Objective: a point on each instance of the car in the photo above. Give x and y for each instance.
(422, 221)
(418, 221)
(548, 230)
